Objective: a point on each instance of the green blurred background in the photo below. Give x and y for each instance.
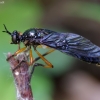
(78, 16)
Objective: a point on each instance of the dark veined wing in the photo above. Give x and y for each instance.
(74, 45)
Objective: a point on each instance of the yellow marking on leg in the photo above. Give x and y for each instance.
(49, 65)
(46, 66)
(43, 46)
(19, 51)
(39, 46)
(50, 51)
(31, 57)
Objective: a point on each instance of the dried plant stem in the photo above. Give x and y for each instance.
(22, 78)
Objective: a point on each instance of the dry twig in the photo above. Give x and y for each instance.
(22, 77)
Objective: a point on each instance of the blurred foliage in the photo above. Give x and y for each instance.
(21, 15)
(24, 14)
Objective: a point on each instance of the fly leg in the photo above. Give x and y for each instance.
(32, 70)
(48, 52)
(48, 64)
(26, 56)
(31, 57)
(17, 52)
(38, 64)
(23, 59)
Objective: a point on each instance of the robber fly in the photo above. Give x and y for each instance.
(68, 43)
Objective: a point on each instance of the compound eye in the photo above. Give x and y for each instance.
(14, 39)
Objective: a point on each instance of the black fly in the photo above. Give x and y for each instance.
(68, 43)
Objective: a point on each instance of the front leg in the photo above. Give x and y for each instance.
(17, 52)
(23, 52)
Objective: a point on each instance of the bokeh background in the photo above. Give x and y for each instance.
(70, 79)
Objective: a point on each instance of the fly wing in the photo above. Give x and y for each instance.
(74, 45)
(82, 46)
(83, 49)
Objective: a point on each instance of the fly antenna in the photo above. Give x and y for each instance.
(6, 30)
